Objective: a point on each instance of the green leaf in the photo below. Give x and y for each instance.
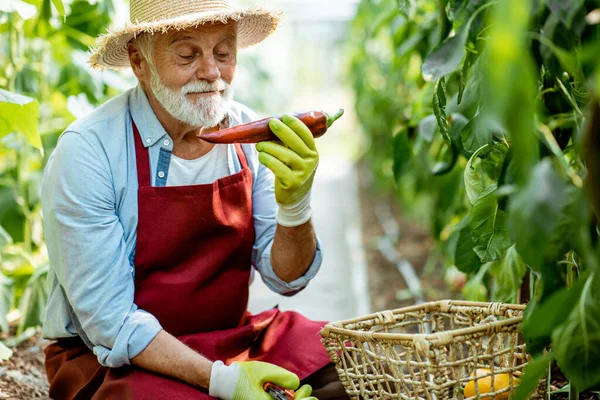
(428, 127)
(457, 124)
(476, 133)
(509, 84)
(489, 231)
(539, 323)
(567, 60)
(571, 217)
(5, 352)
(446, 58)
(59, 7)
(474, 183)
(19, 113)
(464, 76)
(439, 107)
(402, 153)
(465, 259)
(508, 273)
(5, 238)
(576, 342)
(6, 297)
(534, 213)
(34, 300)
(534, 371)
(565, 9)
(475, 289)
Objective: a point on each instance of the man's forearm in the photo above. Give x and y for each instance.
(293, 251)
(168, 356)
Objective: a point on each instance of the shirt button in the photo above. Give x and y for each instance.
(166, 142)
(148, 140)
(161, 174)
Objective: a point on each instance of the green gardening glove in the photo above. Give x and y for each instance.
(294, 163)
(245, 381)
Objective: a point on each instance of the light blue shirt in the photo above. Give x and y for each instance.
(89, 200)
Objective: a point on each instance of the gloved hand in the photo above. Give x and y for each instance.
(294, 162)
(245, 380)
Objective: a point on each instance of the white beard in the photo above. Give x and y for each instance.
(205, 112)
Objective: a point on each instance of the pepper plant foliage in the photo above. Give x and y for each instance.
(475, 111)
(44, 84)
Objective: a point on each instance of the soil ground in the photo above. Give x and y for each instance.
(24, 375)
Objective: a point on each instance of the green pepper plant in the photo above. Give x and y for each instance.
(476, 113)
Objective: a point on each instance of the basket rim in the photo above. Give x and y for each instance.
(338, 327)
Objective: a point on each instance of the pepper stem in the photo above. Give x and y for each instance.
(332, 118)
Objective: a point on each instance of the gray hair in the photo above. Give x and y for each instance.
(145, 43)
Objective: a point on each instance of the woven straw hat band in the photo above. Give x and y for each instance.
(156, 10)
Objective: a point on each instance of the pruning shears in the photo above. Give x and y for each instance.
(278, 393)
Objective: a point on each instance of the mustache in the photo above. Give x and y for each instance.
(219, 85)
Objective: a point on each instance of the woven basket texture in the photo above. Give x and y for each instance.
(431, 351)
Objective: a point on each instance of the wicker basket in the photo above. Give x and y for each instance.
(431, 351)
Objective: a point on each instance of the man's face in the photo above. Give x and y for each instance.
(192, 73)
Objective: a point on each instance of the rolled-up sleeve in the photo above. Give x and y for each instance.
(265, 209)
(87, 251)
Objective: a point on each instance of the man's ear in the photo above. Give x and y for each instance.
(136, 60)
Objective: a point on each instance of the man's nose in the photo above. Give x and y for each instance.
(208, 69)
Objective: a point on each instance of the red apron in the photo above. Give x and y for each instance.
(192, 271)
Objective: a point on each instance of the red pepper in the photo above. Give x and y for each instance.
(258, 131)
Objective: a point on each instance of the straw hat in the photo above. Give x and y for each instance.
(254, 25)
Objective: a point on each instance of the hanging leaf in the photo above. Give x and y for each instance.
(478, 132)
(565, 10)
(488, 229)
(474, 183)
(475, 289)
(428, 127)
(534, 213)
(19, 113)
(6, 298)
(465, 259)
(401, 153)
(5, 352)
(545, 317)
(534, 371)
(508, 273)
(446, 58)
(464, 76)
(439, 107)
(34, 299)
(59, 7)
(576, 342)
(5, 238)
(457, 124)
(509, 84)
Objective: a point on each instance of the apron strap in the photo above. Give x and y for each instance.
(142, 158)
(241, 155)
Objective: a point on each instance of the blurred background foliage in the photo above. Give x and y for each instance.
(475, 111)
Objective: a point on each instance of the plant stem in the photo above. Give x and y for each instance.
(525, 293)
(573, 393)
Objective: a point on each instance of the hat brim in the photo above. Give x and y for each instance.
(254, 26)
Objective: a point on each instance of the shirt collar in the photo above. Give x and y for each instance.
(151, 130)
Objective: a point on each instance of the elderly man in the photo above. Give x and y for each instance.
(152, 232)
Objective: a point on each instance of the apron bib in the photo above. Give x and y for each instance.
(192, 272)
